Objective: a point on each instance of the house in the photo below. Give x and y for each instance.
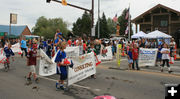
(160, 18)
(16, 31)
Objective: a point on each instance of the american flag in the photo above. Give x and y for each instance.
(115, 19)
(127, 14)
(127, 30)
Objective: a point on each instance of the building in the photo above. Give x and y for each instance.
(16, 31)
(160, 18)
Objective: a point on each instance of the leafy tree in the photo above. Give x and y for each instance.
(112, 26)
(47, 27)
(104, 30)
(82, 25)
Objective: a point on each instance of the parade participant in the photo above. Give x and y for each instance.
(23, 46)
(84, 47)
(61, 55)
(8, 53)
(58, 40)
(49, 49)
(130, 58)
(135, 57)
(92, 49)
(97, 47)
(165, 57)
(70, 42)
(31, 63)
(80, 48)
(159, 55)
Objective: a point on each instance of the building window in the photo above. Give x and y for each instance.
(164, 23)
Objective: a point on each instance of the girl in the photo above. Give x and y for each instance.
(165, 57)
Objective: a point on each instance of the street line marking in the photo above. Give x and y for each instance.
(76, 85)
(112, 61)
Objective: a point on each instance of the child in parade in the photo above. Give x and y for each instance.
(92, 49)
(159, 55)
(49, 49)
(62, 67)
(8, 52)
(135, 57)
(130, 58)
(31, 62)
(165, 57)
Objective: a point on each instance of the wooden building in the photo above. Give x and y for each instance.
(160, 18)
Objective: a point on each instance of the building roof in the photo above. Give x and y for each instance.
(155, 7)
(15, 30)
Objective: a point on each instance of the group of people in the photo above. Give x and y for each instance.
(165, 51)
(59, 44)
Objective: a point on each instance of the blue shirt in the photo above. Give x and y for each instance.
(8, 52)
(60, 56)
(23, 44)
(130, 55)
(159, 55)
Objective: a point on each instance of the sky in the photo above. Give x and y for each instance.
(29, 11)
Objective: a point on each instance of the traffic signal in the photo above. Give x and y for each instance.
(64, 2)
(48, 1)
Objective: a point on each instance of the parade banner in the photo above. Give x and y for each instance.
(147, 57)
(84, 66)
(118, 54)
(106, 54)
(46, 66)
(70, 52)
(16, 48)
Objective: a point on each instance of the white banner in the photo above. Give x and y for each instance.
(16, 48)
(46, 66)
(147, 57)
(70, 52)
(106, 54)
(2, 58)
(84, 66)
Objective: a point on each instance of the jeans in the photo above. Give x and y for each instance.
(135, 61)
(25, 50)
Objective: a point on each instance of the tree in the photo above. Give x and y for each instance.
(47, 27)
(82, 25)
(104, 30)
(111, 26)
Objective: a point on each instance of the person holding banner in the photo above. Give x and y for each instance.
(165, 57)
(62, 70)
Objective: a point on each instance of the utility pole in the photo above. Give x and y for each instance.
(98, 19)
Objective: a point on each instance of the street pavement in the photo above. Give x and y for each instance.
(148, 83)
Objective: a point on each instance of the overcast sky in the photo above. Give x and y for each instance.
(30, 10)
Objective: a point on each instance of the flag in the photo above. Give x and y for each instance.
(115, 19)
(127, 30)
(127, 14)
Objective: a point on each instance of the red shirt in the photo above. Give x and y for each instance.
(32, 56)
(84, 46)
(135, 53)
(69, 42)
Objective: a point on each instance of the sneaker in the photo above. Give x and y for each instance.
(62, 88)
(57, 85)
(29, 79)
(169, 71)
(161, 70)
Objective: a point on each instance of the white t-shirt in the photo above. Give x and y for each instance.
(165, 56)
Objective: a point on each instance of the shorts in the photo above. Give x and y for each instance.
(130, 61)
(32, 69)
(63, 74)
(159, 59)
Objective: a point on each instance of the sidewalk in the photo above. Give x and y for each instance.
(124, 66)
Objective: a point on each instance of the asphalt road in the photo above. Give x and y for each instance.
(148, 83)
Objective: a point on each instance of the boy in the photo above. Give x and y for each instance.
(61, 55)
(159, 55)
(135, 57)
(130, 58)
(8, 51)
(32, 58)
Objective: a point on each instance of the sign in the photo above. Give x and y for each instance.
(84, 66)
(93, 31)
(46, 66)
(147, 57)
(70, 52)
(106, 54)
(13, 18)
(16, 48)
(118, 54)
